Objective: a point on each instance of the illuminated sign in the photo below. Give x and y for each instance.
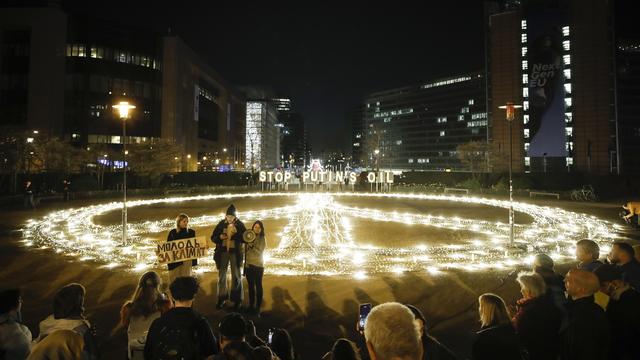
(325, 177)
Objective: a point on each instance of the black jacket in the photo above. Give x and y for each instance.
(435, 350)
(537, 324)
(237, 239)
(181, 317)
(624, 318)
(587, 336)
(498, 342)
(183, 234)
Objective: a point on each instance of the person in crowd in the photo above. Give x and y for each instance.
(623, 255)
(636, 251)
(232, 338)
(343, 349)
(587, 253)
(543, 265)
(432, 348)
(66, 189)
(633, 209)
(59, 345)
(254, 267)
(15, 338)
(497, 339)
(137, 314)
(537, 321)
(251, 337)
(263, 352)
(28, 195)
(587, 335)
(282, 345)
(175, 332)
(227, 236)
(68, 314)
(623, 312)
(182, 231)
(391, 333)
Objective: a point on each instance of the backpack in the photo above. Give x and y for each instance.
(178, 341)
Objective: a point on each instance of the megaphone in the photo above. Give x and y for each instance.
(249, 236)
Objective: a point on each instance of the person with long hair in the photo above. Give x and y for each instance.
(182, 231)
(497, 339)
(68, 314)
(254, 267)
(282, 345)
(137, 314)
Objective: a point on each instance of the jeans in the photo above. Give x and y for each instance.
(254, 278)
(229, 259)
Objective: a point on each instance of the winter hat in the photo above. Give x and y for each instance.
(231, 210)
(232, 326)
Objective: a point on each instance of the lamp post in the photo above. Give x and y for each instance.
(377, 152)
(510, 114)
(123, 108)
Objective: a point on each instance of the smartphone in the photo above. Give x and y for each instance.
(362, 317)
(270, 336)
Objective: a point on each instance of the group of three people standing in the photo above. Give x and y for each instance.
(232, 251)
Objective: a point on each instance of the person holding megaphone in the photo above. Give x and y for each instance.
(227, 237)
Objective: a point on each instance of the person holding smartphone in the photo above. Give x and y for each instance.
(228, 254)
(254, 267)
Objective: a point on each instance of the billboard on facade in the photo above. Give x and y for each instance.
(546, 91)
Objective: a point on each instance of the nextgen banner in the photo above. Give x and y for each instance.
(325, 177)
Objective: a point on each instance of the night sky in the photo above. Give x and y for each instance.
(325, 57)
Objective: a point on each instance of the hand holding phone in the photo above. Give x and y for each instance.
(362, 316)
(270, 336)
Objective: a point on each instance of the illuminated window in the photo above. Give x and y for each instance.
(566, 59)
(567, 102)
(527, 161)
(94, 52)
(442, 133)
(81, 51)
(526, 133)
(569, 131)
(525, 78)
(569, 161)
(566, 45)
(526, 146)
(464, 110)
(569, 146)
(524, 51)
(525, 64)
(525, 92)
(441, 120)
(567, 88)
(565, 31)
(460, 117)
(568, 117)
(471, 101)
(525, 118)
(523, 24)
(387, 119)
(356, 144)
(523, 38)
(368, 106)
(358, 136)
(410, 161)
(525, 105)
(377, 103)
(567, 74)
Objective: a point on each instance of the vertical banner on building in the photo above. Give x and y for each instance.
(546, 126)
(196, 103)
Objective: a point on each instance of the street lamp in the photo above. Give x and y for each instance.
(510, 114)
(123, 108)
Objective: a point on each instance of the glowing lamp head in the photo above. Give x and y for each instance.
(123, 108)
(510, 110)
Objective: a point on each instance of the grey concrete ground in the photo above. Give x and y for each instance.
(315, 309)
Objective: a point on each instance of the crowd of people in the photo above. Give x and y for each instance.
(593, 312)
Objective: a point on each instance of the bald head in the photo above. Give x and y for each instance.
(580, 283)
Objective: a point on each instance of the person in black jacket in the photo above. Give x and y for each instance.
(537, 321)
(623, 312)
(181, 332)
(497, 339)
(228, 253)
(431, 347)
(182, 231)
(587, 336)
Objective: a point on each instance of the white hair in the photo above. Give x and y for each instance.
(532, 283)
(392, 333)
